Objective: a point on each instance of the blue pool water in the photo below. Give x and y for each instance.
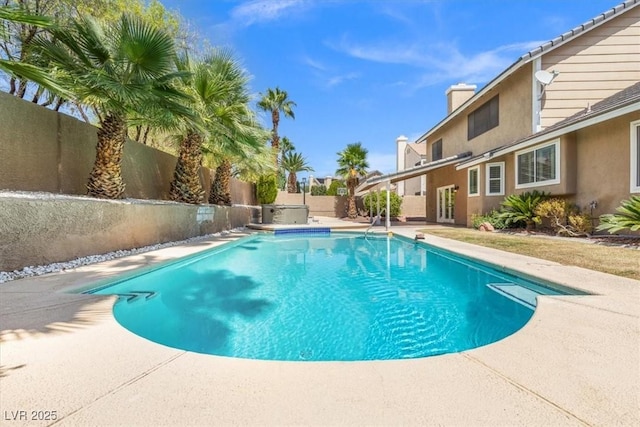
(324, 297)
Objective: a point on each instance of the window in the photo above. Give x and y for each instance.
(495, 179)
(538, 166)
(473, 175)
(483, 119)
(635, 157)
(436, 150)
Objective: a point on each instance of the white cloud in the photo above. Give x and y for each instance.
(327, 76)
(336, 80)
(313, 63)
(264, 10)
(442, 62)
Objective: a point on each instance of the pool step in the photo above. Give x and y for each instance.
(520, 294)
(133, 295)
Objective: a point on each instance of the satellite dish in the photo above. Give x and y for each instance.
(545, 77)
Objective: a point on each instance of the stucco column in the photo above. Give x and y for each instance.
(401, 145)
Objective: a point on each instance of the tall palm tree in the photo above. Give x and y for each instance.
(242, 145)
(286, 147)
(352, 163)
(218, 85)
(119, 69)
(276, 101)
(293, 163)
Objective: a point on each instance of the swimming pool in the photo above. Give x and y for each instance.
(324, 297)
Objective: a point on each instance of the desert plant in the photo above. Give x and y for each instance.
(492, 218)
(519, 209)
(276, 101)
(627, 216)
(319, 190)
(564, 219)
(294, 163)
(371, 202)
(352, 164)
(266, 189)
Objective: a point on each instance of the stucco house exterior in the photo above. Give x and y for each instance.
(410, 155)
(564, 118)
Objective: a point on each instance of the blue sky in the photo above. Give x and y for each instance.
(369, 71)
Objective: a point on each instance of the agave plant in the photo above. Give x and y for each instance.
(627, 216)
(520, 209)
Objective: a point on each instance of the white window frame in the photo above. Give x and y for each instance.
(469, 193)
(488, 179)
(555, 143)
(635, 146)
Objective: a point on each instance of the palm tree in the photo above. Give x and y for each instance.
(118, 69)
(286, 147)
(352, 163)
(275, 102)
(245, 144)
(20, 69)
(293, 163)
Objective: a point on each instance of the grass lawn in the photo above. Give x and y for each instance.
(608, 259)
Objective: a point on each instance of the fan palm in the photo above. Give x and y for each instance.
(276, 101)
(119, 69)
(23, 70)
(352, 163)
(294, 163)
(244, 145)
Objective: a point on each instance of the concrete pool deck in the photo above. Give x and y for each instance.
(577, 362)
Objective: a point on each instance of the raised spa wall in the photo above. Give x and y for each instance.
(55, 228)
(285, 214)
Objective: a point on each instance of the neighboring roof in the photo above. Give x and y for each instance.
(535, 53)
(410, 173)
(618, 104)
(421, 149)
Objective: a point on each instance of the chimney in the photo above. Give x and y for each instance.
(401, 145)
(458, 95)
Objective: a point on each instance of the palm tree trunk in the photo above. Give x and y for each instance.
(352, 213)
(105, 180)
(221, 185)
(275, 139)
(186, 186)
(292, 183)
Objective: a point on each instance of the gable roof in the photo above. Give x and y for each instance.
(533, 54)
(409, 173)
(618, 104)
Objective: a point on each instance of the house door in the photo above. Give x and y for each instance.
(446, 204)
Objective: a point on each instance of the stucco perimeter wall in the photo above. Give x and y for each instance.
(36, 231)
(336, 206)
(414, 206)
(41, 150)
(331, 206)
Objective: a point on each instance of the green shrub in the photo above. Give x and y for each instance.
(627, 216)
(492, 218)
(333, 188)
(564, 218)
(395, 200)
(519, 209)
(266, 189)
(319, 190)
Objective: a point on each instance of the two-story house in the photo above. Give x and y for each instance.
(564, 119)
(410, 155)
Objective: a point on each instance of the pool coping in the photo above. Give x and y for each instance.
(575, 362)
